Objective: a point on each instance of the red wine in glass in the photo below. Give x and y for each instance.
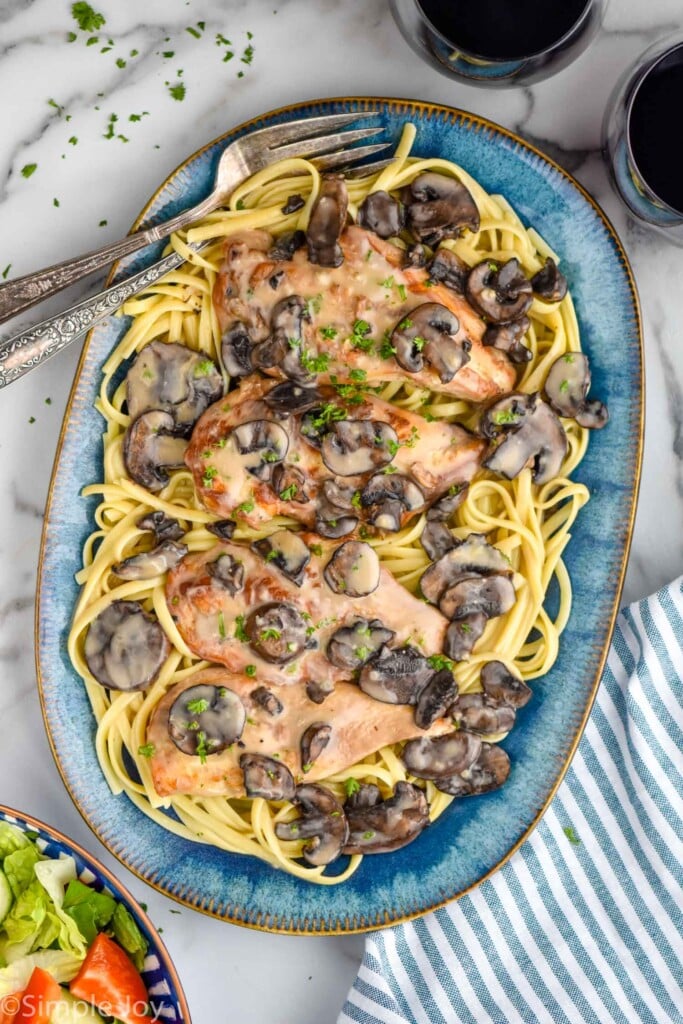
(499, 42)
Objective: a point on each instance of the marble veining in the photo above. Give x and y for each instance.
(302, 49)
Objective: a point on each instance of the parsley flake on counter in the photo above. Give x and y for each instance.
(103, 224)
(55, 202)
(53, 103)
(88, 19)
(73, 141)
(6, 271)
(571, 835)
(120, 62)
(32, 419)
(177, 91)
(28, 169)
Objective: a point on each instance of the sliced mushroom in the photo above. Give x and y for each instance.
(538, 439)
(267, 700)
(354, 447)
(508, 338)
(267, 778)
(445, 507)
(335, 527)
(354, 644)
(338, 497)
(161, 525)
(223, 528)
(462, 635)
(506, 414)
(476, 713)
(489, 771)
(261, 443)
(125, 647)
(228, 573)
(287, 552)
(436, 757)
(318, 692)
(353, 570)
(327, 221)
(206, 719)
(313, 742)
(437, 539)
(501, 686)
(549, 283)
(283, 347)
(387, 516)
(387, 825)
(566, 386)
(290, 397)
(396, 676)
(415, 256)
(472, 556)
(322, 821)
(172, 378)
(500, 291)
(428, 333)
(149, 564)
(236, 349)
(436, 698)
(289, 483)
(440, 207)
(367, 795)
(381, 213)
(151, 448)
(383, 487)
(492, 595)
(284, 246)
(294, 202)
(449, 269)
(277, 632)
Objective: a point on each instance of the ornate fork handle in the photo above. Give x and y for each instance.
(24, 292)
(30, 348)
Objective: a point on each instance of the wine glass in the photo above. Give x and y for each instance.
(498, 42)
(640, 140)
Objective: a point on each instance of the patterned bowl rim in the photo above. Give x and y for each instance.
(364, 104)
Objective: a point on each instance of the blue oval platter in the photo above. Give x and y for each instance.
(159, 974)
(474, 837)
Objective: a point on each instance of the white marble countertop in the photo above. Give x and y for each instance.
(57, 98)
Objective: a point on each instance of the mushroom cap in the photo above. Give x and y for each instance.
(223, 528)
(439, 207)
(462, 635)
(437, 696)
(549, 283)
(395, 676)
(149, 564)
(385, 825)
(125, 647)
(472, 556)
(381, 213)
(501, 686)
(161, 525)
(428, 334)
(175, 379)
(449, 269)
(292, 397)
(267, 700)
(446, 506)
(437, 539)
(508, 338)
(501, 292)
(476, 713)
(277, 632)
(353, 644)
(151, 447)
(493, 595)
(285, 245)
(227, 572)
(353, 570)
(260, 444)
(437, 757)
(236, 349)
(313, 741)
(489, 771)
(287, 552)
(537, 435)
(267, 778)
(327, 221)
(566, 387)
(322, 821)
(355, 447)
(206, 719)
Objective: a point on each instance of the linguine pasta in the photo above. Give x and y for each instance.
(530, 524)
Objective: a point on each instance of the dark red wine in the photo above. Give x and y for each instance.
(654, 133)
(503, 29)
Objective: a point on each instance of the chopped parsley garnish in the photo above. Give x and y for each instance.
(270, 633)
(405, 324)
(146, 750)
(247, 506)
(465, 627)
(103, 224)
(505, 416)
(272, 555)
(329, 413)
(355, 500)
(55, 202)
(208, 475)
(28, 169)
(359, 337)
(315, 364)
(571, 835)
(314, 303)
(358, 375)
(564, 387)
(307, 767)
(289, 492)
(386, 349)
(250, 670)
(419, 342)
(568, 358)
(120, 62)
(362, 652)
(493, 266)
(6, 271)
(388, 282)
(202, 748)
(194, 32)
(351, 786)
(203, 368)
(316, 549)
(369, 834)
(88, 19)
(197, 707)
(389, 470)
(402, 292)
(248, 54)
(439, 662)
(177, 91)
(328, 332)
(221, 625)
(240, 631)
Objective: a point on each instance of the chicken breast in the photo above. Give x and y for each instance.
(350, 311)
(359, 726)
(319, 455)
(238, 608)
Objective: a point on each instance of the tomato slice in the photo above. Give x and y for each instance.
(38, 1000)
(9, 1007)
(109, 981)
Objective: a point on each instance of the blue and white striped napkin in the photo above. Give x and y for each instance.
(585, 922)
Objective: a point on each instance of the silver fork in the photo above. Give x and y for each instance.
(238, 161)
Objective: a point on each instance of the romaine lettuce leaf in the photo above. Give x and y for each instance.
(54, 876)
(129, 936)
(11, 839)
(91, 910)
(62, 966)
(19, 867)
